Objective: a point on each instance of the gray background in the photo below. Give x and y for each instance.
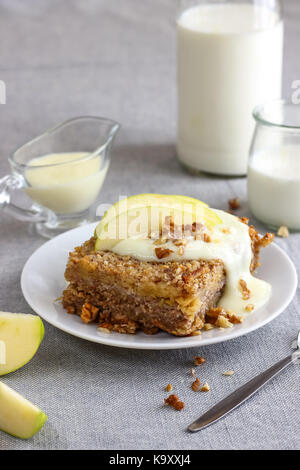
(116, 58)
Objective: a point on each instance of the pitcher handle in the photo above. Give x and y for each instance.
(8, 184)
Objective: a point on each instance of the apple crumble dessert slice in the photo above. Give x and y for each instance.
(176, 277)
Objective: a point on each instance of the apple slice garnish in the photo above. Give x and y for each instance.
(18, 416)
(146, 200)
(141, 220)
(20, 337)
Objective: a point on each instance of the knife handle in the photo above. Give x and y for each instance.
(239, 396)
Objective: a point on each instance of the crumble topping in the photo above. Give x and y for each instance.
(223, 322)
(174, 401)
(71, 309)
(283, 232)
(234, 204)
(199, 360)
(193, 372)
(169, 388)
(221, 318)
(196, 333)
(228, 373)
(196, 385)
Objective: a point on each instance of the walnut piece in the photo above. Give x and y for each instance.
(174, 401)
(249, 308)
(180, 241)
(163, 252)
(266, 239)
(206, 238)
(245, 291)
(196, 385)
(89, 313)
(160, 241)
(234, 204)
(71, 310)
(199, 360)
(283, 231)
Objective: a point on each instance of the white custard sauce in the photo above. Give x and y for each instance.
(66, 182)
(230, 242)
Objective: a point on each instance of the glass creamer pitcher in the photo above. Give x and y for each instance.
(62, 172)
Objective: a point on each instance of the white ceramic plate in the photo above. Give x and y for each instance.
(43, 280)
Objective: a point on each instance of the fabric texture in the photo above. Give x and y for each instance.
(61, 59)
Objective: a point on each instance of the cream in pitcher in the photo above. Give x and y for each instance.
(62, 171)
(65, 182)
(229, 60)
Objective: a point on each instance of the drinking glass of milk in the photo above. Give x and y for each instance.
(62, 172)
(229, 61)
(274, 165)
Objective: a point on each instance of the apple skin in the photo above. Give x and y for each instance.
(160, 202)
(5, 319)
(145, 200)
(19, 417)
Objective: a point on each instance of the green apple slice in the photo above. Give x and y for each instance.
(20, 337)
(147, 200)
(140, 222)
(18, 416)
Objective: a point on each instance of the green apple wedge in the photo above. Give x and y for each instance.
(20, 337)
(18, 416)
(145, 200)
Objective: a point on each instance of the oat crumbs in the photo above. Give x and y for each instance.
(283, 232)
(228, 373)
(205, 388)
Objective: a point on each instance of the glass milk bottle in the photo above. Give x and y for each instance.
(229, 61)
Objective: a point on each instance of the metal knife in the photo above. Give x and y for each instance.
(244, 392)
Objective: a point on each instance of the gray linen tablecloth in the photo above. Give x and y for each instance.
(116, 58)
